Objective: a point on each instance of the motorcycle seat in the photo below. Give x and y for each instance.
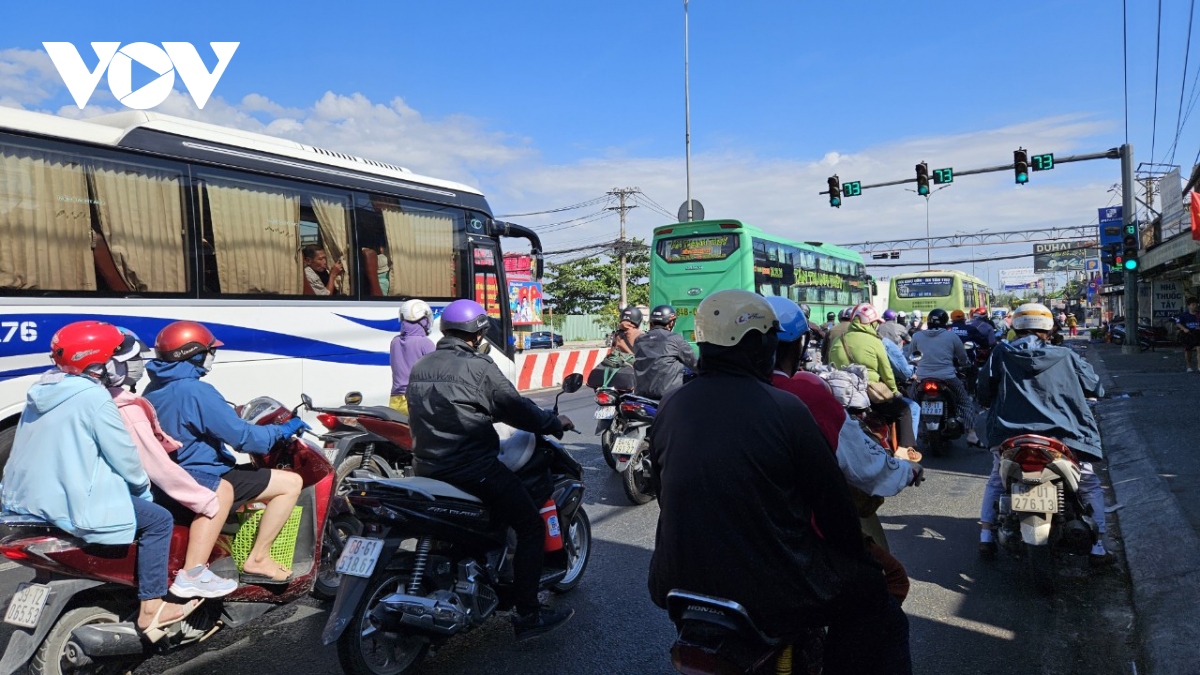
(381, 411)
(516, 446)
(428, 488)
(640, 399)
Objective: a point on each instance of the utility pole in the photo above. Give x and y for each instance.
(622, 193)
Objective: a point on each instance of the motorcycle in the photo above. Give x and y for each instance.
(1042, 511)
(716, 636)
(351, 446)
(630, 451)
(609, 383)
(939, 423)
(73, 616)
(431, 564)
(1148, 336)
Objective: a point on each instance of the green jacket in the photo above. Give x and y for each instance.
(868, 350)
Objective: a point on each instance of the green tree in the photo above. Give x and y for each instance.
(592, 285)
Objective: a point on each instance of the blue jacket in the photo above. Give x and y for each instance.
(195, 414)
(1036, 388)
(901, 368)
(73, 462)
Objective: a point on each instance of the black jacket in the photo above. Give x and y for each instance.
(660, 359)
(455, 394)
(741, 470)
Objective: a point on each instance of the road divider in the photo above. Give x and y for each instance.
(545, 369)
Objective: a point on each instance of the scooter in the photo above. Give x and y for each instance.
(717, 637)
(609, 384)
(74, 615)
(1042, 511)
(350, 446)
(635, 415)
(432, 564)
(939, 424)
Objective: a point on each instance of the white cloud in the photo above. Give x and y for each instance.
(778, 194)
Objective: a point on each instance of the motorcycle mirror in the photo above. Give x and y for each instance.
(572, 383)
(354, 398)
(306, 400)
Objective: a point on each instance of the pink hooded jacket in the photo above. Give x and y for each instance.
(154, 449)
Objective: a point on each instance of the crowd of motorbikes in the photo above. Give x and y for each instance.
(412, 562)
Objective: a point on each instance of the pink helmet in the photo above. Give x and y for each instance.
(866, 313)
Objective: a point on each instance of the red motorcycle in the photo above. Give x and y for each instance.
(78, 613)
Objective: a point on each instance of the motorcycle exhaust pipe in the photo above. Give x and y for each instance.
(102, 641)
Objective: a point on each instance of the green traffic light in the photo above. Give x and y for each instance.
(922, 190)
(1022, 178)
(1131, 264)
(835, 201)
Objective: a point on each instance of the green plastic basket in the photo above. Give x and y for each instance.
(284, 548)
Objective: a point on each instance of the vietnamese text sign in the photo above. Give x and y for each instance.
(1168, 299)
(1063, 256)
(1019, 278)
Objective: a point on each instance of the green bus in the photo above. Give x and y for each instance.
(689, 261)
(933, 289)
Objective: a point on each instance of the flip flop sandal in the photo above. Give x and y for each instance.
(264, 580)
(157, 629)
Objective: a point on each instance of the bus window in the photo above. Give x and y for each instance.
(422, 244)
(77, 224)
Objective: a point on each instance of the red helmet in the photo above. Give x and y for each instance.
(979, 311)
(182, 340)
(80, 347)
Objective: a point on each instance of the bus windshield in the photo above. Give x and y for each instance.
(924, 287)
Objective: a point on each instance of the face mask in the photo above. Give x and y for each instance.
(134, 369)
(113, 374)
(208, 362)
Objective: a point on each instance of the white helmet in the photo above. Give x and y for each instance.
(413, 311)
(1033, 316)
(916, 314)
(725, 317)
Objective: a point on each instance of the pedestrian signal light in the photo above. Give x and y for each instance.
(835, 192)
(923, 179)
(1021, 165)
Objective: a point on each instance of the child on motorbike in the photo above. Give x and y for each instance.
(196, 414)
(73, 464)
(171, 484)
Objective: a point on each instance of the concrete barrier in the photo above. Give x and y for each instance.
(538, 369)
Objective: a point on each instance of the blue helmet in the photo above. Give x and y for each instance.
(792, 324)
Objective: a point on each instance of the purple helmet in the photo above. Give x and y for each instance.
(889, 315)
(467, 316)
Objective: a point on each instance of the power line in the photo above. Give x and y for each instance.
(655, 205)
(1183, 83)
(652, 207)
(580, 205)
(1157, 63)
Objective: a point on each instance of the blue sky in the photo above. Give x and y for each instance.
(544, 104)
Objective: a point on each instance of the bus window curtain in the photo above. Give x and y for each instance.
(141, 217)
(256, 237)
(46, 219)
(331, 221)
(421, 252)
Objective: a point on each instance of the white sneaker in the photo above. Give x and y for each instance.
(972, 438)
(203, 585)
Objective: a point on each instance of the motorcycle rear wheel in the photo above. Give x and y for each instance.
(52, 656)
(606, 442)
(364, 649)
(353, 463)
(634, 480)
(328, 580)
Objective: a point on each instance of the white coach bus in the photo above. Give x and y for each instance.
(142, 219)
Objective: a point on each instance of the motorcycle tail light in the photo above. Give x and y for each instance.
(15, 552)
(1032, 458)
(329, 421)
(692, 659)
(605, 398)
(631, 408)
(930, 387)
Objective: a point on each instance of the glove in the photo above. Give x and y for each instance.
(294, 426)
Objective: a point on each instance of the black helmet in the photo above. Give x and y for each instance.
(807, 311)
(662, 315)
(938, 318)
(632, 315)
(830, 316)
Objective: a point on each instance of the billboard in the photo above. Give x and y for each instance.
(1063, 256)
(1019, 279)
(525, 302)
(518, 267)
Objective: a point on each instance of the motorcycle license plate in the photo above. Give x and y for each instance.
(606, 412)
(932, 407)
(26, 606)
(1035, 498)
(359, 557)
(626, 445)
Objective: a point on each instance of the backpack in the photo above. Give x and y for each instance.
(849, 384)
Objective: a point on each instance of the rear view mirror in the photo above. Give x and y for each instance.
(572, 383)
(306, 400)
(354, 398)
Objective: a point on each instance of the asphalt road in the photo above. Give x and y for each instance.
(965, 615)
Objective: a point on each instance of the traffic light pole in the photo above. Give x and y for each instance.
(1131, 275)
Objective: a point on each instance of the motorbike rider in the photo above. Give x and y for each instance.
(833, 334)
(1035, 387)
(74, 464)
(980, 322)
(628, 331)
(830, 321)
(870, 469)
(914, 322)
(892, 329)
(942, 355)
(196, 414)
(408, 347)
(455, 395)
(172, 486)
(661, 357)
(965, 332)
(753, 507)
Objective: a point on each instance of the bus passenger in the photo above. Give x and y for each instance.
(196, 414)
(320, 276)
(171, 484)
